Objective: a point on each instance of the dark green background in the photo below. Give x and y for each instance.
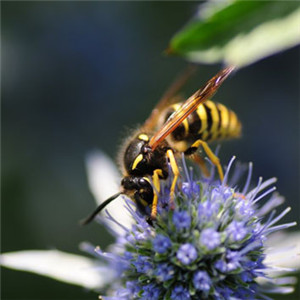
(74, 76)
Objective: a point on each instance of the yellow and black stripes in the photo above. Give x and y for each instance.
(211, 121)
(182, 131)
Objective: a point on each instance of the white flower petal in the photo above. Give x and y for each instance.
(284, 250)
(104, 180)
(103, 176)
(66, 267)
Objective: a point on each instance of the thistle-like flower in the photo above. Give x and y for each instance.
(211, 245)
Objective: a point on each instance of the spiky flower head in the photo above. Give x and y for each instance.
(210, 246)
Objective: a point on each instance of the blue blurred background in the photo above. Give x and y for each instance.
(75, 75)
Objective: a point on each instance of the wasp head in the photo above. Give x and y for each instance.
(138, 155)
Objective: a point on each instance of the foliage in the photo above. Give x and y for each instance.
(238, 32)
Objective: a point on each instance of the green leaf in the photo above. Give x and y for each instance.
(238, 32)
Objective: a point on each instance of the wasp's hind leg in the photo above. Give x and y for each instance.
(213, 158)
(201, 162)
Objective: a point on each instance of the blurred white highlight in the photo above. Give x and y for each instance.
(66, 267)
(104, 181)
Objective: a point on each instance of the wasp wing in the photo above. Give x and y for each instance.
(189, 106)
(169, 94)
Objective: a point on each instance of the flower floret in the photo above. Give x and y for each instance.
(210, 238)
(186, 254)
(202, 281)
(181, 219)
(161, 243)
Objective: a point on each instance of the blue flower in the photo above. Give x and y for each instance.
(186, 253)
(181, 219)
(232, 258)
(190, 188)
(180, 293)
(164, 272)
(142, 264)
(210, 246)
(202, 281)
(161, 243)
(208, 209)
(221, 265)
(210, 238)
(132, 289)
(236, 231)
(150, 292)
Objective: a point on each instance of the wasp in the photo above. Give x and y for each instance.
(183, 127)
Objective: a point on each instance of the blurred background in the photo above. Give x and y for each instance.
(75, 77)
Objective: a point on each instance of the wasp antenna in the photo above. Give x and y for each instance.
(91, 217)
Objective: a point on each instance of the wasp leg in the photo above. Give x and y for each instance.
(156, 190)
(214, 159)
(201, 162)
(176, 173)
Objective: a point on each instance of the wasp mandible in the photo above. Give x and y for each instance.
(182, 128)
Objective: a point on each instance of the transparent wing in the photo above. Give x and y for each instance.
(168, 96)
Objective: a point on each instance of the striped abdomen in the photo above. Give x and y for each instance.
(211, 121)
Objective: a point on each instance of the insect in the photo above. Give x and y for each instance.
(182, 128)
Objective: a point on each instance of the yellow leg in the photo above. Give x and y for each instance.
(156, 190)
(176, 173)
(200, 161)
(214, 159)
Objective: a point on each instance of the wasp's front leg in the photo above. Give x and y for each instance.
(156, 190)
(175, 170)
